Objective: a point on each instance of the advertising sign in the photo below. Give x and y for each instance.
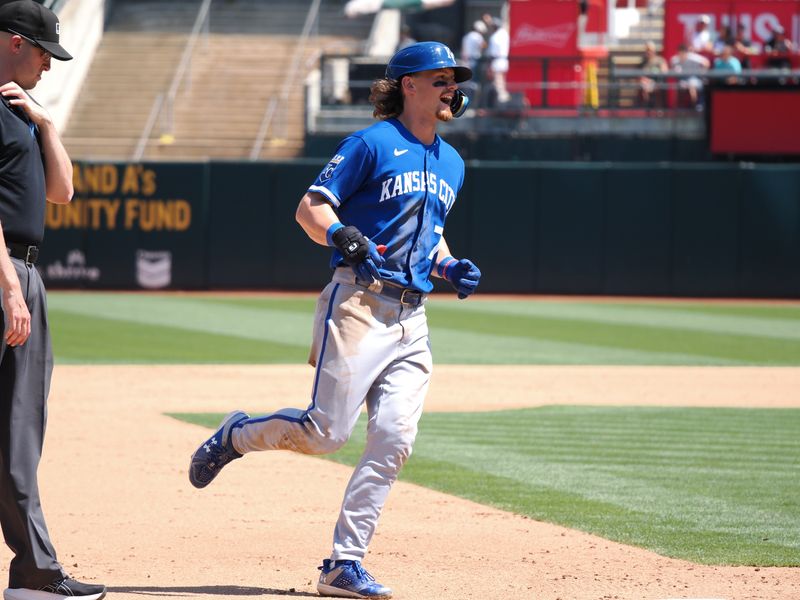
(759, 19)
(543, 28)
(128, 226)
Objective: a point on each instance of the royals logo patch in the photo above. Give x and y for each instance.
(327, 172)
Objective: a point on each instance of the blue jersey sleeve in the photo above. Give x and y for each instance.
(346, 172)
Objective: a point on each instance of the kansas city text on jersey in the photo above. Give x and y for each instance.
(415, 181)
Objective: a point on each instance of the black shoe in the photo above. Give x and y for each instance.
(65, 587)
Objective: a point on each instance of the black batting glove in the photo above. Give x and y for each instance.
(353, 245)
(358, 251)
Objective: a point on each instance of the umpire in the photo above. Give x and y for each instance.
(34, 168)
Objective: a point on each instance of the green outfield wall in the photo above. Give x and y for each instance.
(678, 229)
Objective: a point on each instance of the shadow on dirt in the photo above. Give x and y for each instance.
(207, 590)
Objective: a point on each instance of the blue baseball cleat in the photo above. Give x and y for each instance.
(348, 579)
(216, 452)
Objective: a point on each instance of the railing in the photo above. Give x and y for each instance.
(556, 83)
(279, 104)
(155, 110)
(164, 104)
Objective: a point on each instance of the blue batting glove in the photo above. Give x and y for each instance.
(367, 269)
(462, 274)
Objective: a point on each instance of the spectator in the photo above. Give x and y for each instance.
(778, 49)
(700, 40)
(406, 39)
(498, 52)
(473, 44)
(688, 62)
(653, 63)
(488, 20)
(726, 61)
(743, 45)
(725, 37)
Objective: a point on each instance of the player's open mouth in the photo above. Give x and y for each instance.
(447, 99)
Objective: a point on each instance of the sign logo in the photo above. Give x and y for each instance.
(153, 268)
(58, 28)
(398, 152)
(75, 269)
(555, 36)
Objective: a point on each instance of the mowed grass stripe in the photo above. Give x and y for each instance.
(603, 471)
(458, 335)
(452, 346)
(718, 490)
(702, 499)
(303, 304)
(758, 322)
(654, 446)
(711, 345)
(767, 310)
(84, 339)
(195, 314)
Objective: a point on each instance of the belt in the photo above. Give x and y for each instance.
(406, 296)
(24, 252)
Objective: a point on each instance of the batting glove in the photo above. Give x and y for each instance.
(357, 250)
(462, 274)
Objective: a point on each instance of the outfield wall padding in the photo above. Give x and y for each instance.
(699, 229)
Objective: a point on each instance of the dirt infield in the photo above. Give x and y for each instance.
(121, 510)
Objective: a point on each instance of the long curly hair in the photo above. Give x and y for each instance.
(386, 95)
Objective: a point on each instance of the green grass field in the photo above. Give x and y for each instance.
(163, 328)
(716, 486)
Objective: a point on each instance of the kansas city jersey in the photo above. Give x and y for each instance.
(397, 191)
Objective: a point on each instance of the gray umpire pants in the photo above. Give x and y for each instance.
(24, 384)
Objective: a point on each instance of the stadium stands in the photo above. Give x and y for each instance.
(248, 65)
(237, 66)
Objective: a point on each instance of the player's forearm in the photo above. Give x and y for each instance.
(57, 166)
(316, 216)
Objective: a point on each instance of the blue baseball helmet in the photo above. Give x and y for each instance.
(425, 56)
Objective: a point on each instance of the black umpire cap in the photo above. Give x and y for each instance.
(34, 22)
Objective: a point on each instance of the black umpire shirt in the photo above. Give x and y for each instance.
(22, 184)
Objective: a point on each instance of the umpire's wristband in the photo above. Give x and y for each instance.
(444, 265)
(331, 230)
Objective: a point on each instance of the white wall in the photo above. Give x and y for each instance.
(81, 32)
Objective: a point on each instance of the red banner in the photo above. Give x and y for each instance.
(596, 16)
(772, 126)
(759, 18)
(543, 27)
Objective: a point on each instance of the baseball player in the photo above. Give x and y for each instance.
(381, 203)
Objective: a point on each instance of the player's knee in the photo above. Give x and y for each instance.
(327, 442)
(403, 449)
(323, 436)
(398, 448)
